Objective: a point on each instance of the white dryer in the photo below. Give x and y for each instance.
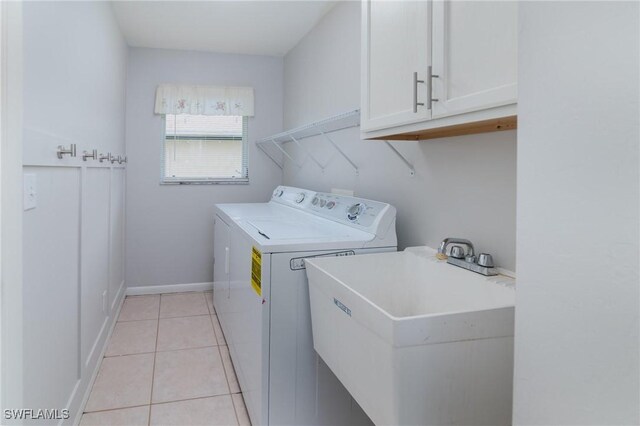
(261, 297)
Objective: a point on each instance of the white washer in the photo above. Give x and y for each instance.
(267, 322)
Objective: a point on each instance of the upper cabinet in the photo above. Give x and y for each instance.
(438, 68)
(396, 43)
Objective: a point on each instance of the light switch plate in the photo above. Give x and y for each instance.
(30, 192)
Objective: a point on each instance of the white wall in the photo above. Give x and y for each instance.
(74, 92)
(170, 227)
(577, 357)
(463, 187)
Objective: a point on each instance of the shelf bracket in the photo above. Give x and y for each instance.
(412, 170)
(341, 152)
(270, 157)
(286, 153)
(307, 152)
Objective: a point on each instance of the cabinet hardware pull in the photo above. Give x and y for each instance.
(64, 151)
(415, 92)
(103, 157)
(430, 77)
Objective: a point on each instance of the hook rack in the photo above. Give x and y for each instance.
(412, 170)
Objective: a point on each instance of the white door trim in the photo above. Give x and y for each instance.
(11, 304)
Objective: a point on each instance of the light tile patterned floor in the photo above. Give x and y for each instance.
(167, 363)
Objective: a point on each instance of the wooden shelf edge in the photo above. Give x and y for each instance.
(484, 126)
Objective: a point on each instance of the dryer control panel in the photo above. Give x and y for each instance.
(293, 197)
(361, 213)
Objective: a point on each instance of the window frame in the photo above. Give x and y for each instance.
(164, 180)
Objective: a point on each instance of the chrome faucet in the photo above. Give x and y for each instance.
(457, 257)
(443, 245)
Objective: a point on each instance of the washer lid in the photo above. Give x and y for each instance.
(280, 229)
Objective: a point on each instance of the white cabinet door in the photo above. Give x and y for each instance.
(94, 272)
(396, 43)
(474, 55)
(221, 255)
(51, 246)
(116, 280)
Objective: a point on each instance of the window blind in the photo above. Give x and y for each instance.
(199, 148)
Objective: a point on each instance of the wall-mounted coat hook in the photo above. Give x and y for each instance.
(64, 151)
(94, 155)
(412, 170)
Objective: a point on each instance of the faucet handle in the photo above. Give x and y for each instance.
(486, 260)
(457, 252)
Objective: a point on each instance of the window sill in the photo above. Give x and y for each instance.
(207, 182)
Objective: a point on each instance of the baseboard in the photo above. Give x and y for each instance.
(171, 288)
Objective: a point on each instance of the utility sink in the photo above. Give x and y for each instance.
(415, 341)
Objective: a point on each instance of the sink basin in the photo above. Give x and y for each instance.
(415, 341)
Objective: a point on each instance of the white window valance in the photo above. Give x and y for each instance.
(204, 100)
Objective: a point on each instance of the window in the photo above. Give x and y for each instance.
(205, 149)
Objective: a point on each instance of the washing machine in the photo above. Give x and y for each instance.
(261, 297)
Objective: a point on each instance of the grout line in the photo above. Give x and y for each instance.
(153, 373)
(186, 349)
(135, 353)
(235, 410)
(137, 320)
(224, 370)
(161, 318)
(194, 398)
(115, 409)
(185, 316)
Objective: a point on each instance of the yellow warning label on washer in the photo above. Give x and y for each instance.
(256, 271)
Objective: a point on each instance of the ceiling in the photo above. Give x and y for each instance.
(249, 27)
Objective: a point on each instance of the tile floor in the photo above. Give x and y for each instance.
(167, 363)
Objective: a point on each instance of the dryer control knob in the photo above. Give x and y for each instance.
(315, 200)
(300, 197)
(355, 210)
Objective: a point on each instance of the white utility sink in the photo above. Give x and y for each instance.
(416, 341)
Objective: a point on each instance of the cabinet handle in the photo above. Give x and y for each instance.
(430, 77)
(226, 260)
(415, 92)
